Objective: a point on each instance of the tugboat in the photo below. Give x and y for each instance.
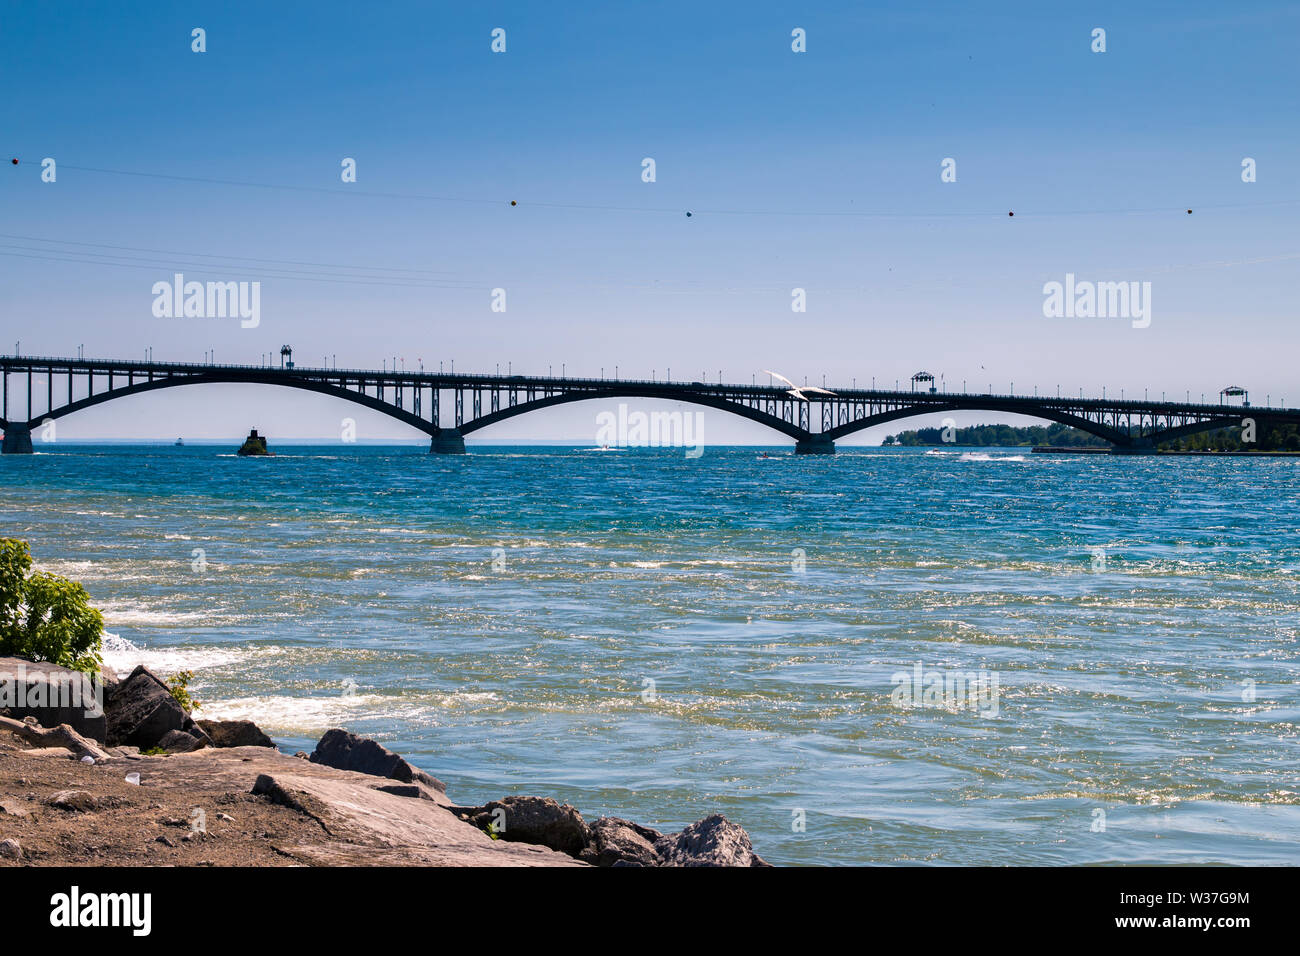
(254, 444)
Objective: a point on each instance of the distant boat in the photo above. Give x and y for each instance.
(606, 448)
(179, 443)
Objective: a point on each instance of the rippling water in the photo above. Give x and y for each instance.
(656, 637)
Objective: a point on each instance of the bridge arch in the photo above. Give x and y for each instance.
(245, 378)
(1112, 435)
(637, 391)
(270, 377)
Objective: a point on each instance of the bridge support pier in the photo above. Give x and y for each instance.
(18, 440)
(447, 441)
(814, 445)
(1139, 446)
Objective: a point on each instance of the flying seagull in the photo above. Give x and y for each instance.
(796, 390)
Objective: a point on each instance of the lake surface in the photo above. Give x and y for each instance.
(658, 637)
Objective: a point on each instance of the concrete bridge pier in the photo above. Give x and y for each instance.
(18, 440)
(1138, 446)
(447, 441)
(814, 445)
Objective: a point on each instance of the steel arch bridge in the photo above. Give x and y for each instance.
(450, 406)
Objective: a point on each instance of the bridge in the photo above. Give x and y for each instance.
(449, 406)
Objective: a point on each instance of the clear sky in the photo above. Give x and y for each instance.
(817, 170)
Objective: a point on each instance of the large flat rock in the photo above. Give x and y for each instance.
(332, 817)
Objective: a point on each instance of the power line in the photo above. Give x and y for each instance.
(676, 211)
(155, 267)
(214, 255)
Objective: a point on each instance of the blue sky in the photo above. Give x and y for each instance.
(818, 170)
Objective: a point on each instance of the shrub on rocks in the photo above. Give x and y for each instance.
(44, 617)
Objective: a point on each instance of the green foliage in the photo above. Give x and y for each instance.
(1267, 438)
(154, 752)
(179, 684)
(1005, 436)
(44, 617)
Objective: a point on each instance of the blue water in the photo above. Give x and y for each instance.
(498, 619)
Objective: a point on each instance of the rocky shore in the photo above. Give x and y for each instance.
(144, 783)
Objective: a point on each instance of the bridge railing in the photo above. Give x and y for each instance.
(496, 380)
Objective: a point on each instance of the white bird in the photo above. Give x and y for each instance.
(797, 390)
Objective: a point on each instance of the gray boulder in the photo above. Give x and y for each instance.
(74, 801)
(180, 742)
(142, 711)
(713, 841)
(537, 820)
(618, 842)
(53, 695)
(235, 733)
(345, 751)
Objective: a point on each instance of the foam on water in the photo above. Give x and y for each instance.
(652, 648)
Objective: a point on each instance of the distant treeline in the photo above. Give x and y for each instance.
(1000, 435)
(1267, 438)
